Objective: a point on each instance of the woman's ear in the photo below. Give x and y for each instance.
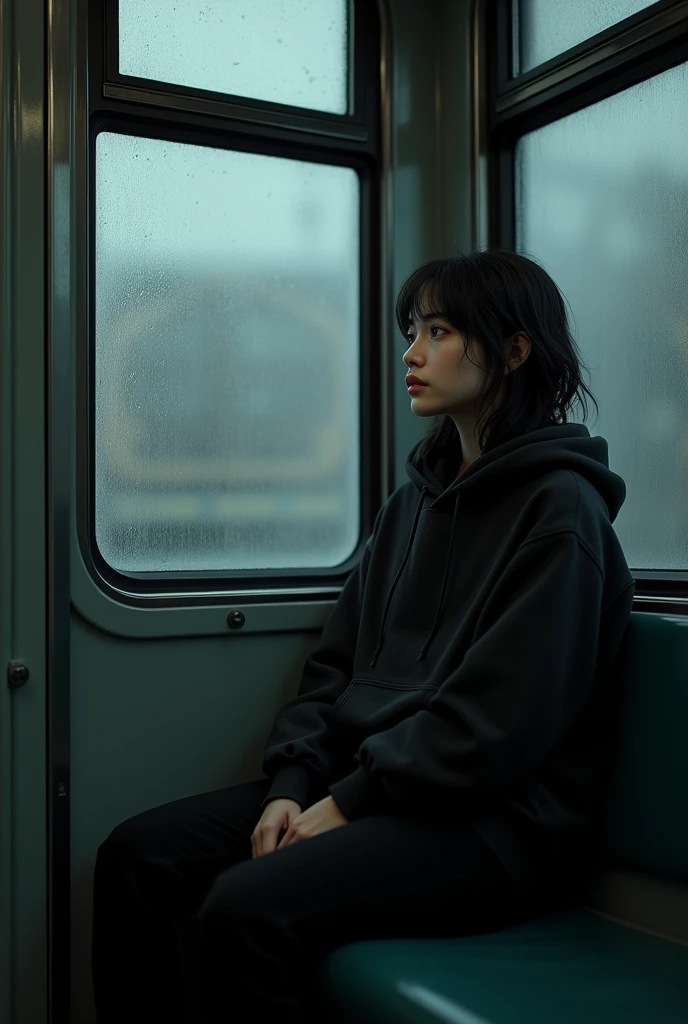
(519, 350)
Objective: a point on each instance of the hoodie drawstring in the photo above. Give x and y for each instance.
(438, 614)
(444, 585)
(398, 575)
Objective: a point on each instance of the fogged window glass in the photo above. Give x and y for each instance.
(600, 201)
(227, 358)
(545, 28)
(284, 51)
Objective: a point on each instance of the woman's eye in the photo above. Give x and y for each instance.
(433, 327)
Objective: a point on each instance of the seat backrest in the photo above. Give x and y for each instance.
(646, 820)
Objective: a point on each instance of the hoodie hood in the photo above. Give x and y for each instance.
(494, 474)
(566, 446)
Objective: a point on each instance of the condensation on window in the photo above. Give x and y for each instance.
(226, 359)
(600, 199)
(282, 51)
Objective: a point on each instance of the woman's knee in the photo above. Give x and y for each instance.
(132, 839)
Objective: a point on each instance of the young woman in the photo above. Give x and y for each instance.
(438, 773)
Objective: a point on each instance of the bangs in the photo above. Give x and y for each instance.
(428, 292)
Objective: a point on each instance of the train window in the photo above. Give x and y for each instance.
(282, 51)
(226, 358)
(599, 199)
(543, 30)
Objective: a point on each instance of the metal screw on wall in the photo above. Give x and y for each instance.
(17, 674)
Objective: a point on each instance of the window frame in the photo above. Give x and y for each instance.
(505, 108)
(183, 114)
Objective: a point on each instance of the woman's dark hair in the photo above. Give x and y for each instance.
(490, 295)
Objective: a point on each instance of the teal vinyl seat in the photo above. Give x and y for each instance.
(572, 968)
(576, 966)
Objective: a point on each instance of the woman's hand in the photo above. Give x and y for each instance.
(275, 819)
(321, 817)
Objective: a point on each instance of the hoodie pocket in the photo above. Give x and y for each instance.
(368, 706)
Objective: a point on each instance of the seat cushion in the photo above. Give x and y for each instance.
(571, 968)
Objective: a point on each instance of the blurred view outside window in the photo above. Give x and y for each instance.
(600, 202)
(545, 28)
(282, 51)
(226, 359)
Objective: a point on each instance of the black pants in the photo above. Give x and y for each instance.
(188, 927)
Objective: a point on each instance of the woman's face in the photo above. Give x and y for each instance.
(437, 355)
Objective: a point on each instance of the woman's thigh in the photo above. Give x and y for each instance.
(177, 849)
(375, 877)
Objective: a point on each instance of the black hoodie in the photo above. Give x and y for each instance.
(467, 671)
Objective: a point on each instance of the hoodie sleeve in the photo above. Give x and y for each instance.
(521, 684)
(299, 749)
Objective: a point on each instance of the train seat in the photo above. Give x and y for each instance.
(579, 966)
